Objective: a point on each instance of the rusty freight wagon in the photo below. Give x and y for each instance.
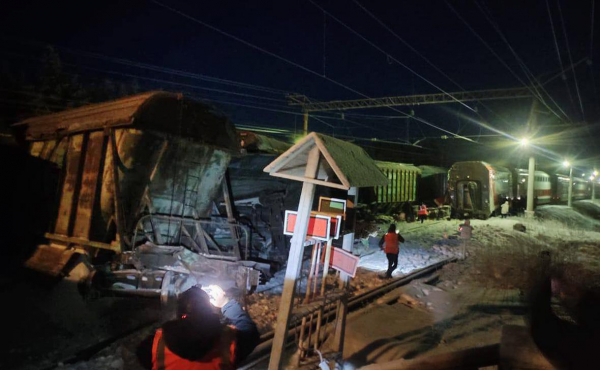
(138, 180)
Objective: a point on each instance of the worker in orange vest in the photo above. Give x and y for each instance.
(390, 244)
(422, 212)
(197, 339)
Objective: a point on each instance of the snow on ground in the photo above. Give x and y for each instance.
(471, 300)
(425, 245)
(447, 309)
(570, 216)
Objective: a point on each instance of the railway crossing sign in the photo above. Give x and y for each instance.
(321, 226)
(318, 160)
(344, 261)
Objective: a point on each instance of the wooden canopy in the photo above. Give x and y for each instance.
(342, 165)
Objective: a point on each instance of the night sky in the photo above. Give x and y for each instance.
(317, 55)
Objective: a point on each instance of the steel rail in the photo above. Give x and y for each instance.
(262, 351)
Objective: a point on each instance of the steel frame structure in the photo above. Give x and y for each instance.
(408, 100)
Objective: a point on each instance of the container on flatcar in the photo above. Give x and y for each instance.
(476, 188)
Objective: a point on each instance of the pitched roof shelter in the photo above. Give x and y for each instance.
(343, 165)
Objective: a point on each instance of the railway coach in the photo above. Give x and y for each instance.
(476, 188)
(542, 186)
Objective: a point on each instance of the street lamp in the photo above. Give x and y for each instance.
(567, 164)
(524, 141)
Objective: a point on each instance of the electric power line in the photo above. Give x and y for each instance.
(570, 59)
(253, 46)
(534, 81)
(498, 57)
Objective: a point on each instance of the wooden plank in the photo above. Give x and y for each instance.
(342, 311)
(48, 149)
(81, 242)
(290, 154)
(49, 259)
(70, 185)
(312, 181)
(119, 216)
(36, 148)
(89, 185)
(294, 261)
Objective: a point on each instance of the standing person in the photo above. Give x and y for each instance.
(504, 209)
(422, 213)
(465, 235)
(390, 244)
(197, 339)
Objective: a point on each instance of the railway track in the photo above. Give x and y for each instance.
(262, 351)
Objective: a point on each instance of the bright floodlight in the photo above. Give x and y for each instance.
(524, 141)
(592, 178)
(566, 163)
(595, 173)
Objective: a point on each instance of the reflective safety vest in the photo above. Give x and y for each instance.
(422, 211)
(392, 245)
(222, 356)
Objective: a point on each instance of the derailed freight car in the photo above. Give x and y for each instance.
(139, 176)
(433, 184)
(398, 194)
(477, 188)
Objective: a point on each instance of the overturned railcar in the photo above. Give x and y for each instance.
(476, 188)
(433, 184)
(138, 179)
(260, 199)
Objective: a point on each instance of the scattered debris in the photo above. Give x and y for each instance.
(519, 227)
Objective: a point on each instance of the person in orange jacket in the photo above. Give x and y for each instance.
(198, 339)
(422, 213)
(390, 244)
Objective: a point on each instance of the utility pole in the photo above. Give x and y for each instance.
(594, 178)
(305, 123)
(531, 123)
(570, 201)
(531, 187)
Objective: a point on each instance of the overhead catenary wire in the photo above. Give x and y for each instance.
(403, 41)
(191, 86)
(157, 80)
(155, 68)
(592, 28)
(253, 46)
(556, 47)
(387, 54)
(464, 21)
(562, 21)
(535, 84)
